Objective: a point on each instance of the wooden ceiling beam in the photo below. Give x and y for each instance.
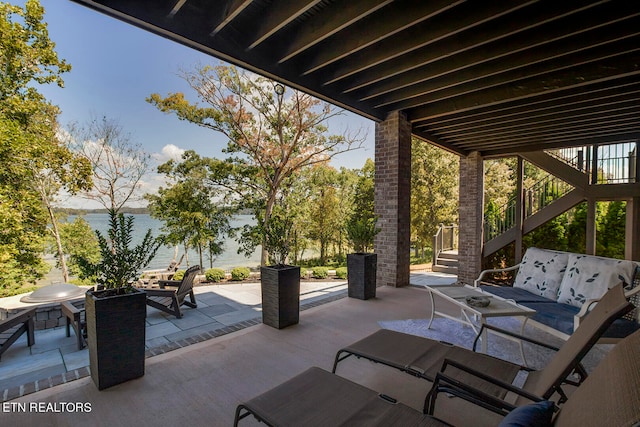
(229, 12)
(538, 146)
(325, 24)
(372, 29)
(280, 14)
(503, 58)
(525, 28)
(605, 121)
(543, 118)
(490, 75)
(607, 69)
(591, 95)
(615, 134)
(432, 139)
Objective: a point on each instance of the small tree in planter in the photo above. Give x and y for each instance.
(280, 282)
(362, 266)
(116, 311)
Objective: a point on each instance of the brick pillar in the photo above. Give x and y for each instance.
(471, 213)
(393, 199)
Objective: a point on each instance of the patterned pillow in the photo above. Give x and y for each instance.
(541, 272)
(589, 277)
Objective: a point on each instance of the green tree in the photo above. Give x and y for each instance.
(272, 134)
(577, 229)
(324, 211)
(79, 241)
(611, 231)
(118, 163)
(28, 144)
(434, 191)
(188, 207)
(361, 226)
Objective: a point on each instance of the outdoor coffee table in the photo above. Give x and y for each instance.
(499, 307)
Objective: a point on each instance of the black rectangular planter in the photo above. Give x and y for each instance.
(280, 295)
(116, 336)
(361, 275)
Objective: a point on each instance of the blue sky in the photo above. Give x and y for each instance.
(116, 66)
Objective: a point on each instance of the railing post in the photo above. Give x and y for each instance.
(580, 160)
(594, 164)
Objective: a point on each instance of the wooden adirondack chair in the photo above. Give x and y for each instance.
(170, 300)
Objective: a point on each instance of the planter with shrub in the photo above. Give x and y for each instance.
(116, 311)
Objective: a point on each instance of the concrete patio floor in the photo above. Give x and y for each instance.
(202, 384)
(222, 309)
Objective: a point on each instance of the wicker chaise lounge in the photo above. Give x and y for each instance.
(424, 358)
(12, 328)
(170, 300)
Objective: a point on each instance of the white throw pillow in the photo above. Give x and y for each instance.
(590, 277)
(541, 272)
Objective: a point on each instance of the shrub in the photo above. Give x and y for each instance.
(178, 275)
(240, 273)
(341, 272)
(214, 275)
(320, 272)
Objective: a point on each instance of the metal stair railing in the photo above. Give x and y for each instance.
(604, 164)
(537, 197)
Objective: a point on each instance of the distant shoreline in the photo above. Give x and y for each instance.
(125, 210)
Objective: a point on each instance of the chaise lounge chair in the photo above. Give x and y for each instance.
(609, 396)
(169, 300)
(424, 358)
(16, 325)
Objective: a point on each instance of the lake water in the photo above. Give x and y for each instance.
(143, 222)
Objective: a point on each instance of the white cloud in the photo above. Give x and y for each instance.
(169, 152)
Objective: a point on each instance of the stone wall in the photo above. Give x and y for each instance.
(47, 315)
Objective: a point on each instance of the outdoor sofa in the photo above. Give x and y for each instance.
(563, 287)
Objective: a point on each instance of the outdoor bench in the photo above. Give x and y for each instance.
(562, 287)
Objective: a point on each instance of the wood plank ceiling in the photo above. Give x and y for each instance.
(491, 76)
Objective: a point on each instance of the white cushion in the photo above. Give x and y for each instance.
(541, 272)
(589, 277)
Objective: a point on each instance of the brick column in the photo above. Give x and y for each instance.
(393, 199)
(471, 213)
